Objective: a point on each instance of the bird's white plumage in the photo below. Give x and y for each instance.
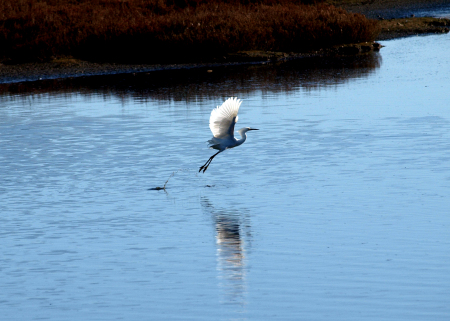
(224, 118)
(222, 123)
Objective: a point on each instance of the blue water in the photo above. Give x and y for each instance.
(440, 11)
(336, 209)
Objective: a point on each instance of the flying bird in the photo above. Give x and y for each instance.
(222, 123)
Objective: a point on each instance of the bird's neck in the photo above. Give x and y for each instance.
(242, 140)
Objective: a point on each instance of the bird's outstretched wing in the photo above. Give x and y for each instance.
(224, 118)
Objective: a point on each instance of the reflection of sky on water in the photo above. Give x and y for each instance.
(232, 240)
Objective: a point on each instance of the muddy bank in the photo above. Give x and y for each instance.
(397, 19)
(70, 67)
(395, 28)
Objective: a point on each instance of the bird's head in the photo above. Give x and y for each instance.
(246, 129)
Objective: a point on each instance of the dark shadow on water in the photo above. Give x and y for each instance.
(219, 82)
(233, 236)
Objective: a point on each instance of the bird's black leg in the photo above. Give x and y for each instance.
(205, 167)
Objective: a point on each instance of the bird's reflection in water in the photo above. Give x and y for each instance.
(233, 241)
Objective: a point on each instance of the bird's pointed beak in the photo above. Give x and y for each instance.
(253, 129)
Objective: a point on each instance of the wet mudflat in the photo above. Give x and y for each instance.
(337, 208)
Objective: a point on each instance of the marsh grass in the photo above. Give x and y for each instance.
(163, 31)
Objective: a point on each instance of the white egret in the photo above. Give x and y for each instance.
(222, 123)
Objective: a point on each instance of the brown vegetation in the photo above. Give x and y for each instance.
(171, 30)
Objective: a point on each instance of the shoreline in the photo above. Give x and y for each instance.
(68, 67)
(397, 27)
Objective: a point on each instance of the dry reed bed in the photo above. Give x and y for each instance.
(170, 31)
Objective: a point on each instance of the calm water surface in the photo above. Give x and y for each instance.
(336, 209)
